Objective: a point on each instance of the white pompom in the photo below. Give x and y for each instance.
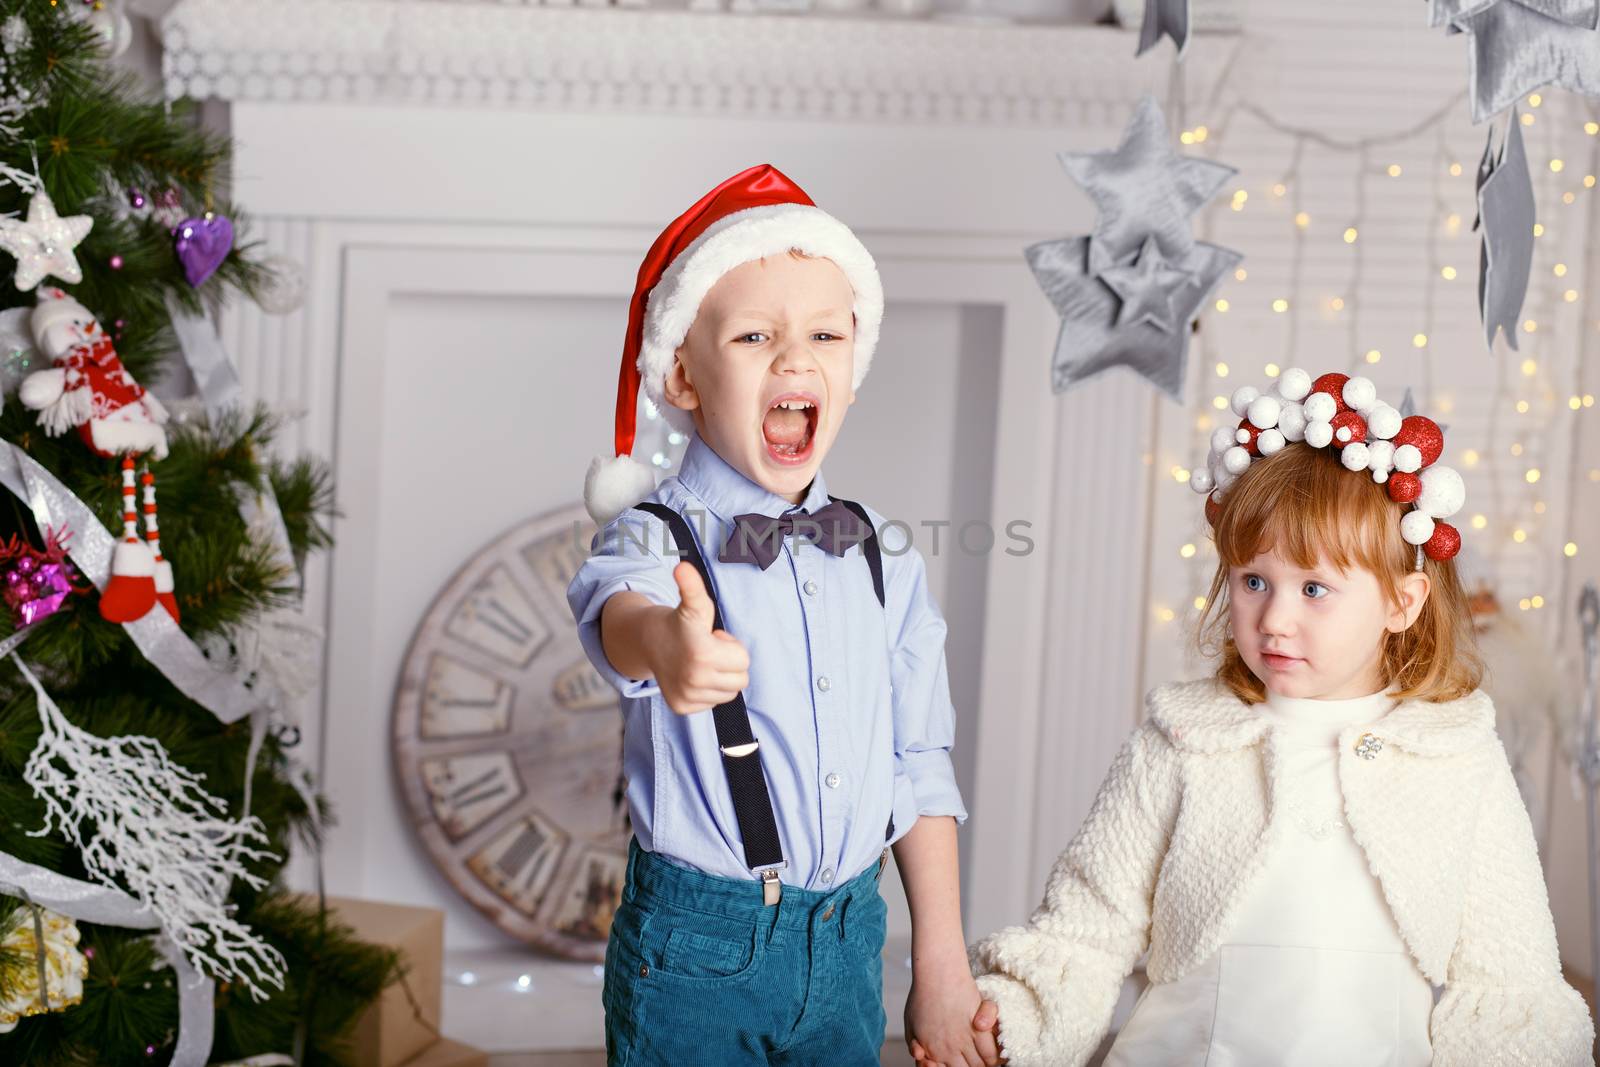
(615, 484)
(1383, 422)
(1343, 435)
(1321, 407)
(1241, 436)
(1264, 411)
(1380, 476)
(1443, 492)
(1416, 528)
(1354, 456)
(1294, 384)
(1200, 480)
(1224, 478)
(1270, 441)
(1221, 439)
(1319, 434)
(1407, 458)
(1380, 458)
(1360, 394)
(1243, 397)
(1235, 460)
(1292, 422)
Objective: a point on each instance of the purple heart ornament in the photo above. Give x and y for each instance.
(202, 245)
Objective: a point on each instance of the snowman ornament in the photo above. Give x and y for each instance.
(88, 388)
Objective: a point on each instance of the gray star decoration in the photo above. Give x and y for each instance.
(1506, 211)
(1519, 46)
(1127, 293)
(1168, 18)
(43, 244)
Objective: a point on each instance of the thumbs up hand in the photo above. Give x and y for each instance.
(696, 665)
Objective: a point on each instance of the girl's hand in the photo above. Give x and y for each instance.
(987, 1021)
(939, 1022)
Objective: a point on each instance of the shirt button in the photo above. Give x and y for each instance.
(827, 876)
(832, 780)
(810, 587)
(824, 684)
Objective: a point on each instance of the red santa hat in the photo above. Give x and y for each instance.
(756, 213)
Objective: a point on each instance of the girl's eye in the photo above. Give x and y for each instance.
(1316, 590)
(825, 336)
(747, 336)
(1254, 582)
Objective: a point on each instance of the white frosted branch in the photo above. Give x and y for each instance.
(144, 823)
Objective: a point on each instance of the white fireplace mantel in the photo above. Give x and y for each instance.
(863, 68)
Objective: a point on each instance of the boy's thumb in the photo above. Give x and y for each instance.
(694, 604)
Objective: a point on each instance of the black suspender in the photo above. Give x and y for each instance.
(741, 751)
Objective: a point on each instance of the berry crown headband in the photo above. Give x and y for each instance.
(1343, 413)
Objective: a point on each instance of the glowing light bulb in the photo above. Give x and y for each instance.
(1280, 305)
(1223, 305)
(1419, 340)
(1373, 355)
(1532, 475)
(1455, 170)
(1187, 551)
(1273, 370)
(1350, 235)
(1569, 549)
(1240, 275)
(1222, 370)
(1302, 220)
(1479, 521)
(1337, 303)
(1530, 368)
(1394, 170)
(1560, 270)
(1470, 457)
(1556, 166)
(1449, 273)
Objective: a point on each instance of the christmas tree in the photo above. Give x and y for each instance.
(141, 754)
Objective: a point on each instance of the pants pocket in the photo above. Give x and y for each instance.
(690, 946)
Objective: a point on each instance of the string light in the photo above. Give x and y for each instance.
(1223, 305)
(1187, 551)
(1373, 355)
(1273, 370)
(1394, 170)
(1570, 549)
(1222, 370)
(1448, 273)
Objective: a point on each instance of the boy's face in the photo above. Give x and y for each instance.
(768, 366)
(1315, 633)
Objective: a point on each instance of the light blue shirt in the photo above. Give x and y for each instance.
(849, 699)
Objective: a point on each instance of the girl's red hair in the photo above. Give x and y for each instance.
(1304, 504)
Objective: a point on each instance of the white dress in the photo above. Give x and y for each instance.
(1312, 971)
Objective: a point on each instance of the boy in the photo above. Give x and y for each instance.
(751, 928)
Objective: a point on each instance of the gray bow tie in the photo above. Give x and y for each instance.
(758, 538)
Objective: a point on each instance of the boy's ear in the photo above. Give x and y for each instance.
(1413, 591)
(678, 389)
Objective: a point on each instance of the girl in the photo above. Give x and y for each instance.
(1315, 840)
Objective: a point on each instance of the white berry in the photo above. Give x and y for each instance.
(1200, 480)
(1416, 528)
(1360, 394)
(1383, 421)
(1243, 397)
(1292, 421)
(1235, 460)
(1319, 434)
(1263, 412)
(1443, 492)
(1294, 384)
(1354, 456)
(1407, 458)
(1321, 407)
(1270, 441)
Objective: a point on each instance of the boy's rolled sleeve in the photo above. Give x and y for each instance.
(626, 555)
(924, 718)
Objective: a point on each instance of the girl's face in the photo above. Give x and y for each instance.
(1316, 633)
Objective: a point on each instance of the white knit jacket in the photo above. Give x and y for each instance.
(1188, 815)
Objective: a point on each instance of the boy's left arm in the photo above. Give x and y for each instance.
(1505, 1000)
(944, 997)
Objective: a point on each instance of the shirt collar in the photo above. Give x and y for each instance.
(728, 493)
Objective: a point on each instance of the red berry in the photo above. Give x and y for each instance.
(1352, 421)
(1249, 443)
(1332, 383)
(1423, 434)
(1445, 542)
(1403, 487)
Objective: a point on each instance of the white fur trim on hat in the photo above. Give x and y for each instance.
(751, 234)
(614, 484)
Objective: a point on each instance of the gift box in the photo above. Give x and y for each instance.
(393, 1032)
(447, 1053)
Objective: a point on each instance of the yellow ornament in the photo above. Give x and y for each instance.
(65, 967)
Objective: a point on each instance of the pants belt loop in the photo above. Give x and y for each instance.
(844, 909)
(777, 910)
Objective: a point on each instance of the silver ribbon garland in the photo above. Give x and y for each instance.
(55, 507)
(106, 906)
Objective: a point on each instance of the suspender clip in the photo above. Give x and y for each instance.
(771, 888)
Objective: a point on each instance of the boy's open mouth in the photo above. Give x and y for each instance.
(790, 426)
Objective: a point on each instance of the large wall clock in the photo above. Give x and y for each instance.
(507, 743)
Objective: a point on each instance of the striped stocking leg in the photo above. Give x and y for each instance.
(131, 591)
(152, 534)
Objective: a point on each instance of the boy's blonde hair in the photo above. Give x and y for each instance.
(1304, 504)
